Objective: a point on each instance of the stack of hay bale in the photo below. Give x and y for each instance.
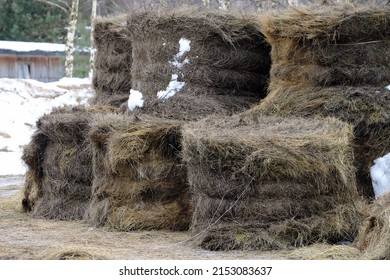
(139, 181)
(334, 61)
(263, 182)
(113, 61)
(190, 63)
(59, 159)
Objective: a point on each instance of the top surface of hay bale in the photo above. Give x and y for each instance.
(196, 23)
(332, 24)
(108, 28)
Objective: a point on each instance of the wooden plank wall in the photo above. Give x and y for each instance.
(41, 68)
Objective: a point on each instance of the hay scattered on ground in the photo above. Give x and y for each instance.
(113, 61)
(70, 254)
(325, 252)
(139, 181)
(333, 61)
(269, 183)
(12, 202)
(374, 236)
(59, 160)
(228, 60)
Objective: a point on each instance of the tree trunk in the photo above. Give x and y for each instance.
(69, 48)
(92, 56)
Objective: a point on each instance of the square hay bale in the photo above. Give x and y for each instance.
(330, 45)
(374, 236)
(59, 160)
(366, 108)
(334, 62)
(113, 61)
(263, 182)
(187, 54)
(139, 181)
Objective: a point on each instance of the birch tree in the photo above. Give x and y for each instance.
(72, 11)
(69, 46)
(92, 55)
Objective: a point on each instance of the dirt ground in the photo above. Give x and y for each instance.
(23, 237)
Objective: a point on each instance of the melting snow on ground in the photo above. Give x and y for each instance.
(380, 175)
(174, 85)
(135, 100)
(22, 102)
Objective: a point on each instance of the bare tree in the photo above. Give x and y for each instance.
(92, 54)
(70, 9)
(69, 49)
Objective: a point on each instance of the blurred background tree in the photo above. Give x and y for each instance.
(37, 21)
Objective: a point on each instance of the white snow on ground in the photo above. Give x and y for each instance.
(22, 102)
(174, 85)
(135, 100)
(380, 175)
(388, 87)
(30, 46)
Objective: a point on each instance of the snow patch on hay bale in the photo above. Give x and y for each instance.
(139, 181)
(262, 182)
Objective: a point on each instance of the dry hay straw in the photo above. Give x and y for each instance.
(374, 236)
(228, 57)
(12, 203)
(59, 160)
(139, 181)
(262, 182)
(71, 253)
(334, 61)
(113, 61)
(325, 252)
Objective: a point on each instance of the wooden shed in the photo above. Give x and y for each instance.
(27, 60)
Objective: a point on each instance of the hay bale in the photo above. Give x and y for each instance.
(333, 62)
(366, 108)
(113, 61)
(226, 59)
(139, 181)
(59, 160)
(270, 183)
(374, 236)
